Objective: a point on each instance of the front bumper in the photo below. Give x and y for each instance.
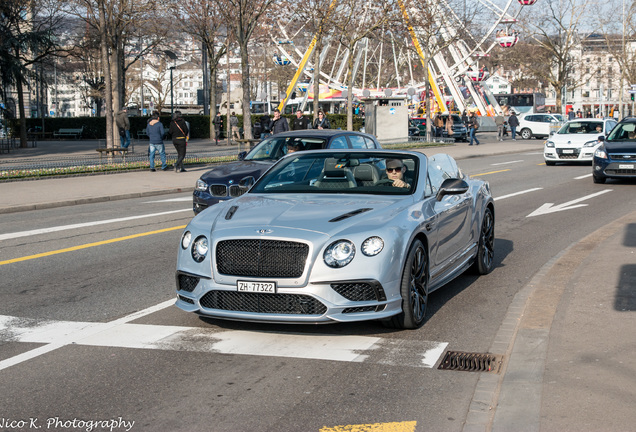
(613, 169)
(569, 154)
(317, 302)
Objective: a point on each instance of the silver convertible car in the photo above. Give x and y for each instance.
(338, 236)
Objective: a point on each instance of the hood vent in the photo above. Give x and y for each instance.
(231, 212)
(350, 214)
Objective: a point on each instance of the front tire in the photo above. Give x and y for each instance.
(413, 289)
(526, 134)
(600, 180)
(485, 260)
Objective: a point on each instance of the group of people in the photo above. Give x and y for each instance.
(280, 124)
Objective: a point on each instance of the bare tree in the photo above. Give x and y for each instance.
(26, 37)
(555, 31)
(202, 19)
(242, 18)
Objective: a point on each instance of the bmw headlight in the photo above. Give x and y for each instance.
(339, 254)
(201, 186)
(200, 249)
(591, 143)
(372, 246)
(600, 153)
(549, 144)
(186, 239)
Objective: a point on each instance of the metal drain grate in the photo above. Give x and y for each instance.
(471, 362)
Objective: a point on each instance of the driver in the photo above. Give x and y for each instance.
(395, 170)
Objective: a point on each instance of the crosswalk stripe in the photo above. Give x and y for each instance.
(342, 348)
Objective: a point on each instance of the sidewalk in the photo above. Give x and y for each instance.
(56, 192)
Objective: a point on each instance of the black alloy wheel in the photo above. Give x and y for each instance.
(414, 289)
(485, 259)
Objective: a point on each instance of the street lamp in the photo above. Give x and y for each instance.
(173, 57)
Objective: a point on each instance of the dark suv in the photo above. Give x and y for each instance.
(616, 157)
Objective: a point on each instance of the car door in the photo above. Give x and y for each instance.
(452, 213)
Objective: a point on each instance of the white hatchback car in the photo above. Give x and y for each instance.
(576, 141)
(538, 125)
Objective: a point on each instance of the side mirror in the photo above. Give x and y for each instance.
(552, 133)
(241, 155)
(452, 187)
(601, 138)
(247, 182)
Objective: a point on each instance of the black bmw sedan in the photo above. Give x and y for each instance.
(231, 180)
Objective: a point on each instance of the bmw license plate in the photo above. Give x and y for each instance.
(256, 287)
(568, 151)
(623, 166)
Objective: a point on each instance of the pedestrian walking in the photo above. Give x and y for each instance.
(438, 122)
(279, 124)
(123, 124)
(500, 121)
(465, 118)
(322, 122)
(266, 126)
(300, 122)
(571, 114)
(179, 131)
(473, 125)
(513, 122)
(155, 132)
(234, 124)
(218, 125)
(449, 126)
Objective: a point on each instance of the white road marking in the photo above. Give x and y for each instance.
(85, 224)
(506, 163)
(551, 208)
(11, 329)
(516, 193)
(583, 176)
(182, 199)
(122, 334)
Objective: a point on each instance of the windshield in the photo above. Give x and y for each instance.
(351, 172)
(581, 127)
(275, 148)
(623, 132)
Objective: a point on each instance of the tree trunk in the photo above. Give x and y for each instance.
(108, 106)
(316, 102)
(245, 83)
(23, 130)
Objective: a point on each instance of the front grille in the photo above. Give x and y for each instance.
(286, 304)
(218, 190)
(237, 191)
(186, 282)
(623, 157)
(261, 258)
(562, 155)
(471, 362)
(355, 291)
(619, 172)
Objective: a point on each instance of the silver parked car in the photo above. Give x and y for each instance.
(338, 236)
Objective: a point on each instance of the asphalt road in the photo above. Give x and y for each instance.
(72, 293)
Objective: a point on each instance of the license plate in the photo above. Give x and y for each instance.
(256, 287)
(622, 166)
(568, 151)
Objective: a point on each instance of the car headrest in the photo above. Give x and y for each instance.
(365, 173)
(334, 168)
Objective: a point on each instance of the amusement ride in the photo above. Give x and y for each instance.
(454, 73)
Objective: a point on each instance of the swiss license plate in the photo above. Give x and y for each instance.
(256, 287)
(568, 151)
(624, 166)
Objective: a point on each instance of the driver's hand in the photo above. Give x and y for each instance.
(400, 183)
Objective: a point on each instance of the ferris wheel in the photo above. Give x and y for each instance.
(455, 54)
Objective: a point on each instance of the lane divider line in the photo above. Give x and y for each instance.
(491, 172)
(89, 245)
(517, 193)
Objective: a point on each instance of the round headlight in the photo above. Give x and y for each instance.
(186, 239)
(339, 254)
(201, 186)
(200, 248)
(372, 246)
(600, 153)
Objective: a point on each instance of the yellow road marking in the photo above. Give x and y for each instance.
(89, 245)
(491, 172)
(408, 426)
